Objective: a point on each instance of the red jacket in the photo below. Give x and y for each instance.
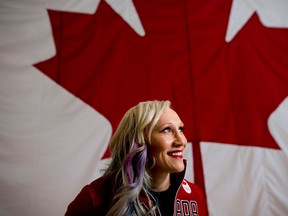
(95, 198)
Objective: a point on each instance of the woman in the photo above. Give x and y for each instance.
(146, 174)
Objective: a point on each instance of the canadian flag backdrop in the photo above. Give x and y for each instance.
(70, 69)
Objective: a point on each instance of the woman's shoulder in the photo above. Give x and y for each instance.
(191, 184)
(100, 190)
(191, 196)
(187, 185)
(102, 185)
(94, 197)
(101, 182)
(189, 189)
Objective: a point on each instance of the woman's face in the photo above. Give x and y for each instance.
(168, 143)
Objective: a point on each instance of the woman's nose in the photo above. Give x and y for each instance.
(180, 139)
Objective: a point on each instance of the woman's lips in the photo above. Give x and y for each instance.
(176, 154)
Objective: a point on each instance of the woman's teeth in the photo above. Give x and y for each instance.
(175, 153)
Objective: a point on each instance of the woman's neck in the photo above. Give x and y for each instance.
(160, 182)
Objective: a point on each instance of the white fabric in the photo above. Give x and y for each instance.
(50, 144)
(127, 11)
(272, 13)
(278, 125)
(189, 175)
(245, 180)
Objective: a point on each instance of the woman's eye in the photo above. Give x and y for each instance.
(181, 129)
(166, 130)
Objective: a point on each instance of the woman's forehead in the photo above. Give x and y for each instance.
(169, 116)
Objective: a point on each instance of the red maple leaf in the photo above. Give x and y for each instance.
(224, 92)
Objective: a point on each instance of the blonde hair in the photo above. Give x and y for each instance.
(129, 147)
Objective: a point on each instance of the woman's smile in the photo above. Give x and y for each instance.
(176, 154)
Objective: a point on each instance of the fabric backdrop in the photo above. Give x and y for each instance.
(70, 69)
